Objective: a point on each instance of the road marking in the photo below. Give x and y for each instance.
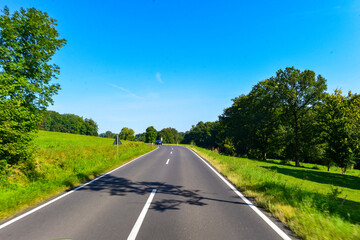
(281, 233)
(68, 193)
(141, 217)
(170, 152)
(167, 162)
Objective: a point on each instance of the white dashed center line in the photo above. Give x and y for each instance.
(167, 162)
(140, 219)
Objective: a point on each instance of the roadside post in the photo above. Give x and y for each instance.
(117, 142)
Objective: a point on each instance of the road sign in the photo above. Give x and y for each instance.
(117, 141)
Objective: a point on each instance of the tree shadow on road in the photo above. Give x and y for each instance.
(175, 195)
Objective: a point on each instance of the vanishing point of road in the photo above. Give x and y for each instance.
(169, 193)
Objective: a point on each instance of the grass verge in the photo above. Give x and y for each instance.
(309, 201)
(63, 161)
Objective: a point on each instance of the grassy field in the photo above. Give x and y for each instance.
(308, 199)
(63, 161)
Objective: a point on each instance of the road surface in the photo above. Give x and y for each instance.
(169, 193)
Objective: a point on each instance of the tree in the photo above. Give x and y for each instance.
(108, 134)
(340, 124)
(28, 41)
(298, 92)
(127, 134)
(150, 135)
(203, 135)
(91, 127)
(140, 137)
(167, 135)
(263, 116)
(237, 126)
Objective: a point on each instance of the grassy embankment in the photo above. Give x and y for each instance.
(63, 161)
(309, 199)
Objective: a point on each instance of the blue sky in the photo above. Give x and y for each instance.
(174, 63)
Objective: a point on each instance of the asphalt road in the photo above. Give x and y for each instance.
(169, 193)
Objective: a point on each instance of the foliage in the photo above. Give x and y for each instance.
(340, 124)
(28, 41)
(150, 135)
(287, 117)
(170, 135)
(297, 92)
(108, 134)
(127, 134)
(140, 137)
(203, 134)
(68, 123)
(167, 135)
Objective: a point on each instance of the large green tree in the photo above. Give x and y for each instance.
(28, 41)
(150, 135)
(340, 121)
(298, 92)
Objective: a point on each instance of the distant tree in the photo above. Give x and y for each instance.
(167, 135)
(175, 134)
(91, 127)
(108, 134)
(28, 41)
(140, 137)
(298, 92)
(150, 135)
(127, 134)
(340, 123)
(203, 135)
(69, 123)
(180, 137)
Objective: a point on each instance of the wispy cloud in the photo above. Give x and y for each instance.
(124, 90)
(158, 77)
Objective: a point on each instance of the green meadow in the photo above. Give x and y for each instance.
(62, 161)
(312, 202)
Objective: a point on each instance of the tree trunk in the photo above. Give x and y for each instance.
(264, 156)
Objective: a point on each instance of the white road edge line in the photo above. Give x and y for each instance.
(141, 217)
(167, 162)
(281, 233)
(65, 194)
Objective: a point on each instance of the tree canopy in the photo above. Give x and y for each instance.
(150, 135)
(289, 117)
(127, 134)
(28, 41)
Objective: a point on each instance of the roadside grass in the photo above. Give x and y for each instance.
(63, 161)
(309, 201)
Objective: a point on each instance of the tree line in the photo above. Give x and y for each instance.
(168, 135)
(68, 123)
(289, 116)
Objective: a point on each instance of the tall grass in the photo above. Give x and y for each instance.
(63, 161)
(315, 204)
